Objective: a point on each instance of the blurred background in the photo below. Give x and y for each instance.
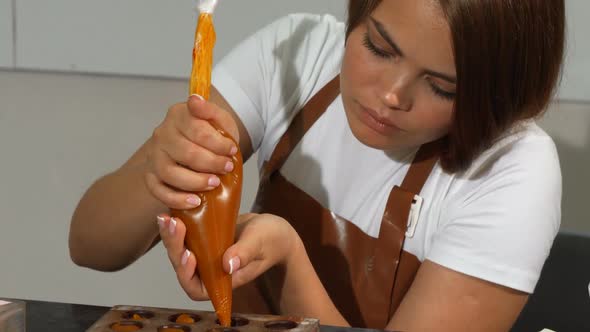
(84, 83)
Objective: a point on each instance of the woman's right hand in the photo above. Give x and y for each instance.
(186, 152)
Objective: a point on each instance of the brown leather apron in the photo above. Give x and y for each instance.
(365, 277)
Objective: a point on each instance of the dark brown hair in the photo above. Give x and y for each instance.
(508, 56)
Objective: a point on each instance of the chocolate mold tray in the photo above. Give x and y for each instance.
(124, 318)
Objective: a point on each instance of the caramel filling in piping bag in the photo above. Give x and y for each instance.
(210, 228)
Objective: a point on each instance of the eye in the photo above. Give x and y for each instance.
(440, 92)
(374, 49)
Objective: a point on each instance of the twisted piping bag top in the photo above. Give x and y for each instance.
(207, 6)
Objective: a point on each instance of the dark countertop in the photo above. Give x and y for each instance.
(52, 316)
(65, 317)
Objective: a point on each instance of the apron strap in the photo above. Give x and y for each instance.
(308, 115)
(394, 224)
(421, 167)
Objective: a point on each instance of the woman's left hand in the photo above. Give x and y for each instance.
(262, 241)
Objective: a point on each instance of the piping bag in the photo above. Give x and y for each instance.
(210, 228)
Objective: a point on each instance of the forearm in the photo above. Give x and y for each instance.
(303, 292)
(115, 221)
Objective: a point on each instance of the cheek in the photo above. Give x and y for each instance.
(358, 68)
(353, 61)
(435, 116)
(348, 70)
(443, 116)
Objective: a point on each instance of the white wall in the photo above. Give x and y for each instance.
(577, 63)
(137, 37)
(6, 40)
(109, 36)
(58, 133)
(154, 37)
(568, 124)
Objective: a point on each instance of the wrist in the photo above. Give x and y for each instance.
(133, 178)
(296, 250)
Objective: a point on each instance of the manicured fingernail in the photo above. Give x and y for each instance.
(185, 257)
(213, 181)
(229, 166)
(198, 96)
(172, 226)
(161, 221)
(234, 264)
(193, 200)
(233, 150)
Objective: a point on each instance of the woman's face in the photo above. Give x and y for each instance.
(398, 75)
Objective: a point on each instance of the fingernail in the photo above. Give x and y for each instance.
(234, 264)
(161, 221)
(185, 257)
(233, 150)
(198, 96)
(193, 200)
(214, 181)
(172, 226)
(229, 166)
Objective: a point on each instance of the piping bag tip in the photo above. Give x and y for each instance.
(206, 6)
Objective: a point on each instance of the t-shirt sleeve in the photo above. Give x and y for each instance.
(268, 76)
(502, 228)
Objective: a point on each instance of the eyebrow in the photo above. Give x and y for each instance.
(381, 29)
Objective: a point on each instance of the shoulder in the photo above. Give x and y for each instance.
(521, 170)
(507, 202)
(270, 75)
(303, 25)
(305, 45)
(300, 33)
(525, 155)
(523, 141)
(294, 42)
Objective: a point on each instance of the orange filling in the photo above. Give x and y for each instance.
(185, 319)
(200, 81)
(118, 327)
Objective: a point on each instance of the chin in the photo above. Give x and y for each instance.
(367, 136)
(372, 139)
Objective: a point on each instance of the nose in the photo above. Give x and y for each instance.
(396, 94)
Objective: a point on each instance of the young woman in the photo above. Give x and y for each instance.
(405, 184)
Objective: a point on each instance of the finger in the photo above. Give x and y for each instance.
(172, 232)
(210, 112)
(249, 273)
(246, 251)
(248, 246)
(243, 267)
(162, 220)
(196, 157)
(172, 235)
(171, 198)
(262, 242)
(182, 178)
(205, 134)
(188, 278)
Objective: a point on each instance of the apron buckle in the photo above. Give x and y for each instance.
(414, 215)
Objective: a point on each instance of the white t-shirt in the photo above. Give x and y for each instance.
(495, 221)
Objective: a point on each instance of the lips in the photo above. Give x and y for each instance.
(378, 123)
(378, 118)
